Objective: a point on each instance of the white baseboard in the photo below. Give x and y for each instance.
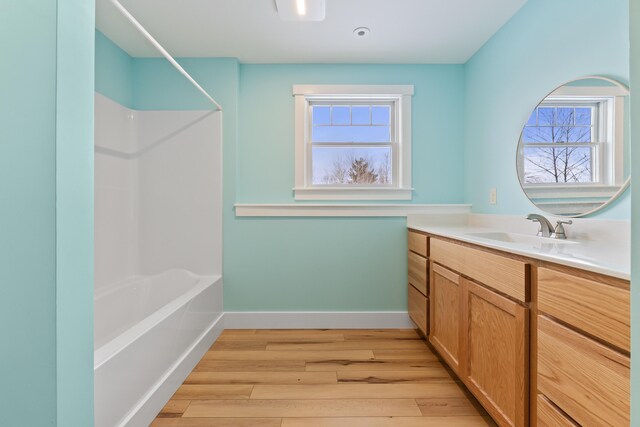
(317, 320)
(149, 407)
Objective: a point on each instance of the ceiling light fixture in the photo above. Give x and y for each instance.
(301, 7)
(301, 10)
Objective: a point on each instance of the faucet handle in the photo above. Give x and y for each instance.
(559, 232)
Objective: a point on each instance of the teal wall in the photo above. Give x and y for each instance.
(319, 264)
(46, 249)
(28, 189)
(114, 71)
(536, 51)
(74, 212)
(634, 16)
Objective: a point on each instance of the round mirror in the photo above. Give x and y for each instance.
(573, 153)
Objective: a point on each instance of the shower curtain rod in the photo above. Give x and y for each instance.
(163, 51)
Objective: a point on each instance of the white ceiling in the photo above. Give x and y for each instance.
(402, 31)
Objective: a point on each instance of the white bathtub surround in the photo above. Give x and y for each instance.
(158, 192)
(158, 255)
(601, 246)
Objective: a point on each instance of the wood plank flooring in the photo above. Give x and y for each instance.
(314, 378)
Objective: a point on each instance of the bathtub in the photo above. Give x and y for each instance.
(149, 332)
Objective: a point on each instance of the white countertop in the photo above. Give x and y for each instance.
(610, 257)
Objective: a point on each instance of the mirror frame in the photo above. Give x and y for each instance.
(616, 195)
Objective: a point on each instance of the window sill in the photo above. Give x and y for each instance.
(350, 193)
(568, 192)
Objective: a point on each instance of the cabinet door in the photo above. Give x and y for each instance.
(444, 314)
(494, 354)
(418, 309)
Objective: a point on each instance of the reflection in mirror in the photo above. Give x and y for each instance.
(573, 153)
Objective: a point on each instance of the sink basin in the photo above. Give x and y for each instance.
(519, 238)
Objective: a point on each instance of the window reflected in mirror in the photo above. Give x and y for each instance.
(571, 155)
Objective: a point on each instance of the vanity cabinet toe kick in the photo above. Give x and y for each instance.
(538, 344)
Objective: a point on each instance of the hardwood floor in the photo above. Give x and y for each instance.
(313, 378)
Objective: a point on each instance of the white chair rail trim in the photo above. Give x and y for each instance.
(346, 210)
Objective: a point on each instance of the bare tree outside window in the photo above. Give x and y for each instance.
(384, 170)
(558, 145)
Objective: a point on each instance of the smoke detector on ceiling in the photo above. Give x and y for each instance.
(301, 10)
(361, 32)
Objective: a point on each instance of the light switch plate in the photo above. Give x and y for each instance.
(493, 196)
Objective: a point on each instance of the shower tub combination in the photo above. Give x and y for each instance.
(149, 334)
(158, 255)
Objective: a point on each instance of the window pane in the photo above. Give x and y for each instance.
(583, 116)
(580, 134)
(537, 134)
(545, 116)
(561, 133)
(564, 116)
(351, 134)
(321, 115)
(533, 118)
(381, 115)
(361, 115)
(340, 115)
(558, 165)
(348, 165)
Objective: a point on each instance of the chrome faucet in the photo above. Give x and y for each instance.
(559, 232)
(546, 228)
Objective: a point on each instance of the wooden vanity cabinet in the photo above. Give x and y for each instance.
(418, 290)
(482, 329)
(582, 347)
(444, 314)
(537, 343)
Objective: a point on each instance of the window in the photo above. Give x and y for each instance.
(574, 139)
(353, 142)
(562, 143)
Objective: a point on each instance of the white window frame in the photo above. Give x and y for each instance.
(399, 96)
(609, 164)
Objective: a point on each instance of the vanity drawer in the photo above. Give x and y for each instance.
(504, 274)
(586, 380)
(599, 309)
(550, 416)
(418, 309)
(418, 272)
(418, 243)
